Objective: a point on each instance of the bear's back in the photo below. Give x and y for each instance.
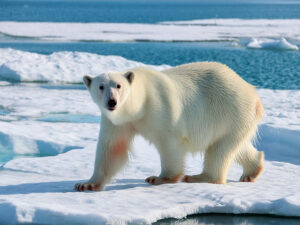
(211, 80)
(212, 92)
(206, 74)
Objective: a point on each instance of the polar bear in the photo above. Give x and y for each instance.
(194, 107)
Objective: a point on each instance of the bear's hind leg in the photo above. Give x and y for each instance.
(172, 165)
(252, 162)
(217, 160)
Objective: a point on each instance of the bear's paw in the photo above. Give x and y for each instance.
(87, 187)
(162, 180)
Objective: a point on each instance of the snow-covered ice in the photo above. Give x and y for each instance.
(196, 30)
(67, 67)
(46, 125)
(281, 44)
(40, 190)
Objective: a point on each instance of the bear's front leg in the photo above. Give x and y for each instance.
(111, 155)
(172, 164)
(96, 182)
(110, 158)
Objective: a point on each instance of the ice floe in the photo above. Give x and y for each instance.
(40, 189)
(281, 44)
(68, 67)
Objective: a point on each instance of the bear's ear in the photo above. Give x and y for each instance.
(129, 76)
(87, 80)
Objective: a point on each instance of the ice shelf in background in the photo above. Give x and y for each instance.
(196, 30)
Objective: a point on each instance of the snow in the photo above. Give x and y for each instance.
(281, 44)
(196, 30)
(68, 67)
(24, 118)
(40, 189)
(36, 190)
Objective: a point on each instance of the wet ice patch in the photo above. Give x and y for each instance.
(69, 118)
(12, 146)
(4, 111)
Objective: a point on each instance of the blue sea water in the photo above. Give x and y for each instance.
(141, 11)
(229, 219)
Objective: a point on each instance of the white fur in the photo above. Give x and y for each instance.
(193, 107)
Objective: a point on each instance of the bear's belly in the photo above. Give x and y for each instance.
(197, 141)
(192, 144)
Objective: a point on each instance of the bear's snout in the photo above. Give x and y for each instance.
(111, 104)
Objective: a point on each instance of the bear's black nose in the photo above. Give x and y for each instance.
(111, 104)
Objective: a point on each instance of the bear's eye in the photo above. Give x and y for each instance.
(118, 86)
(101, 87)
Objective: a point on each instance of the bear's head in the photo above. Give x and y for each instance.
(110, 91)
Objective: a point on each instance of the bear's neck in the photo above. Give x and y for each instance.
(134, 106)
